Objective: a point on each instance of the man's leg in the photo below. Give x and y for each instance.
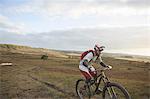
(94, 75)
(85, 72)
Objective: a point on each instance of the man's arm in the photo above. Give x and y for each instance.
(87, 59)
(101, 62)
(85, 63)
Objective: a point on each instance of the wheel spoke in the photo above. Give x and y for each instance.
(115, 91)
(82, 90)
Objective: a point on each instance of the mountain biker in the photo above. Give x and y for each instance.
(87, 58)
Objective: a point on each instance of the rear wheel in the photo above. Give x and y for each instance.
(115, 91)
(82, 89)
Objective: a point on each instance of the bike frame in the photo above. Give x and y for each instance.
(103, 77)
(108, 87)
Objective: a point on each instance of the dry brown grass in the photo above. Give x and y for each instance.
(55, 78)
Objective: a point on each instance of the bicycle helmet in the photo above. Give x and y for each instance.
(98, 49)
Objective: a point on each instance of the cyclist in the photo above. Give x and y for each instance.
(87, 58)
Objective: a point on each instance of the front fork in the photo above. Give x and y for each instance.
(110, 90)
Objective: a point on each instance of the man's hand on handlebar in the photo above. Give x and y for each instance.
(109, 67)
(105, 66)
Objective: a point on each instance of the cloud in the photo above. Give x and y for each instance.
(94, 21)
(76, 9)
(81, 39)
(66, 14)
(7, 25)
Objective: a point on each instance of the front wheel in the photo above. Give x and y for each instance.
(82, 89)
(115, 91)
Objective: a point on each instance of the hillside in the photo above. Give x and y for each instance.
(60, 53)
(30, 50)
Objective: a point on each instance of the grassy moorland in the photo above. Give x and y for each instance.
(32, 78)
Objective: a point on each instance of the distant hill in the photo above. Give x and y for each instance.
(30, 50)
(128, 57)
(60, 53)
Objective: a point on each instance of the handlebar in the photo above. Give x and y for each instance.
(104, 69)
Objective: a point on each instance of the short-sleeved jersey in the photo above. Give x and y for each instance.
(90, 57)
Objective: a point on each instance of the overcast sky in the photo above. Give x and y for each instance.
(120, 25)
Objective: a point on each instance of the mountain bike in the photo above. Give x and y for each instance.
(110, 90)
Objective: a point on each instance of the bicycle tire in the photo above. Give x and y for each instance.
(122, 89)
(77, 92)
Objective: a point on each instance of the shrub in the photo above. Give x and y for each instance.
(44, 57)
